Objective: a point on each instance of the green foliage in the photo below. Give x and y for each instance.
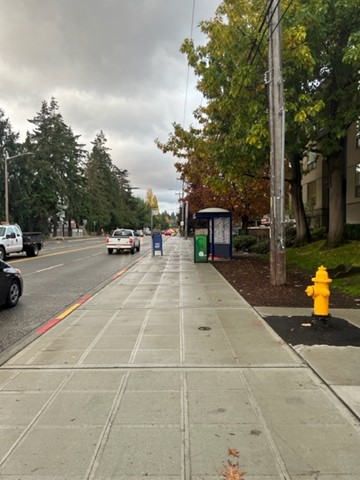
(310, 257)
(352, 231)
(110, 200)
(243, 243)
(8, 147)
(318, 233)
(50, 182)
(321, 61)
(262, 247)
(61, 182)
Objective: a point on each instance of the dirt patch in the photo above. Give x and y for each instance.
(250, 276)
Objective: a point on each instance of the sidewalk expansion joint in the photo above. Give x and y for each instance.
(151, 367)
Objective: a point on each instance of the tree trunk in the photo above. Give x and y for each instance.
(69, 228)
(244, 224)
(302, 227)
(55, 226)
(336, 200)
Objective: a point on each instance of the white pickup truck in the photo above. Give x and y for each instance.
(13, 240)
(122, 240)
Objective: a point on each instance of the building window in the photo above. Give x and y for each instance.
(311, 196)
(357, 180)
(358, 133)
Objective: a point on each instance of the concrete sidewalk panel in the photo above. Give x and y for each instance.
(281, 379)
(94, 380)
(157, 357)
(298, 407)
(153, 407)
(67, 452)
(224, 407)
(19, 408)
(158, 379)
(350, 395)
(141, 451)
(85, 408)
(344, 362)
(210, 445)
(33, 381)
(329, 449)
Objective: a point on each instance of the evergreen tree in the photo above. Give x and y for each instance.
(9, 146)
(54, 179)
(101, 187)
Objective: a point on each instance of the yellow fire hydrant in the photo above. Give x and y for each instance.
(320, 292)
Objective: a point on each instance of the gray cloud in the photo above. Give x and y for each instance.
(112, 65)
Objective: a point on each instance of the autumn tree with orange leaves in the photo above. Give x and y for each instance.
(246, 196)
(228, 152)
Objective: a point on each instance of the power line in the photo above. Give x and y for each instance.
(263, 15)
(270, 5)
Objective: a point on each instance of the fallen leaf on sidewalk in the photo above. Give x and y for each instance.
(233, 472)
(234, 452)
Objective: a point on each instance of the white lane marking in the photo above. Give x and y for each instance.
(44, 269)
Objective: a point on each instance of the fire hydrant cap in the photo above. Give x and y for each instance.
(309, 291)
(321, 276)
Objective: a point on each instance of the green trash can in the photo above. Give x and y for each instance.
(200, 248)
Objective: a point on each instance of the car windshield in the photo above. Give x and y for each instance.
(122, 233)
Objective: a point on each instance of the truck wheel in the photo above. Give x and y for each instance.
(13, 295)
(2, 253)
(110, 250)
(32, 251)
(138, 248)
(132, 250)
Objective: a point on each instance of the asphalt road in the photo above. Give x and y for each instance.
(63, 273)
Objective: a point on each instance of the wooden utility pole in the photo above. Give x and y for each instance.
(277, 129)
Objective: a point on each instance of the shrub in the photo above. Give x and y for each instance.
(318, 233)
(352, 231)
(242, 243)
(261, 248)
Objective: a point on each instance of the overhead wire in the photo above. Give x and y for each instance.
(266, 13)
(262, 16)
(256, 45)
(275, 27)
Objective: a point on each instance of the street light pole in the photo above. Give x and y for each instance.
(6, 159)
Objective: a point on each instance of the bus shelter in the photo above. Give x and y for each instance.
(219, 227)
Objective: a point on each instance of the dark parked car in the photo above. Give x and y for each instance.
(11, 284)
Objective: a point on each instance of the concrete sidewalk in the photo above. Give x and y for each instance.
(160, 373)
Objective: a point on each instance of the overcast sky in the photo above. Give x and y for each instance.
(112, 65)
